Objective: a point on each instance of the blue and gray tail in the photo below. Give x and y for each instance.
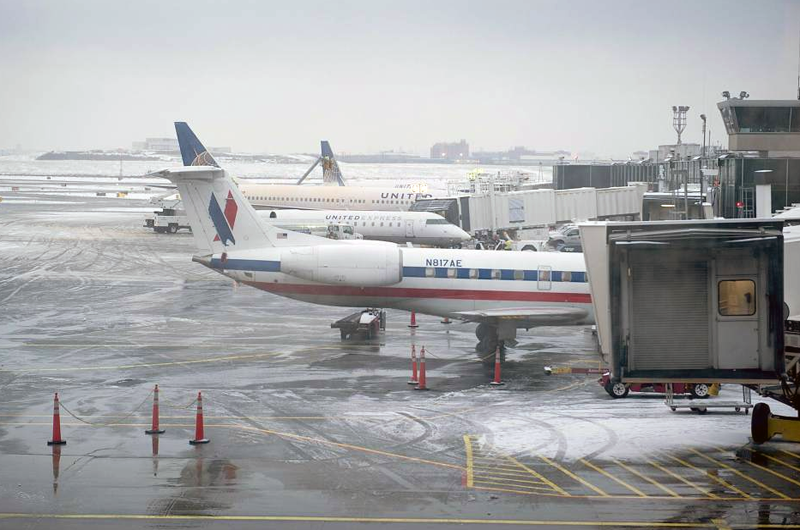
(192, 150)
(331, 174)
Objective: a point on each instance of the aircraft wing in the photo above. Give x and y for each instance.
(540, 316)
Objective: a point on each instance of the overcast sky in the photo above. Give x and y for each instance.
(369, 75)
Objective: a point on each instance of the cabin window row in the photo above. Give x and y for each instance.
(306, 199)
(339, 201)
(504, 274)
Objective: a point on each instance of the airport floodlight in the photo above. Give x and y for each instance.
(726, 94)
(743, 95)
(679, 119)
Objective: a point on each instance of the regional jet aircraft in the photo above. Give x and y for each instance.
(502, 291)
(271, 196)
(418, 228)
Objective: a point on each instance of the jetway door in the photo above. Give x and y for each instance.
(668, 307)
(737, 316)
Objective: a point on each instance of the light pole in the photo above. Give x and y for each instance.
(703, 117)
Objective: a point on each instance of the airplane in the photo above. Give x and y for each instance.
(501, 291)
(331, 174)
(418, 228)
(271, 196)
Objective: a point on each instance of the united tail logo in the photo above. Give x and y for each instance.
(223, 222)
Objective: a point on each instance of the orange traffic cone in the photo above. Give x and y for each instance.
(154, 428)
(56, 425)
(423, 380)
(413, 320)
(446, 321)
(413, 380)
(199, 435)
(497, 381)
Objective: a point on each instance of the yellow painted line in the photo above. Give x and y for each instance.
(145, 415)
(645, 477)
(705, 492)
(765, 455)
(515, 481)
(521, 492)
(298, 437)
(540, 477)
(612, 477)
(527, 487)
(142, 365)
(773, 472)
(744, 475)
(331, 519)
(468, 449)
(322, 441)
(712, 477)
(574, 476)
(506, 467)
(790, 454)
(490, 471)
(722, 524)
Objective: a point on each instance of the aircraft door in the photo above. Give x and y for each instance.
(409, 228)
(737, 321)
(544, 278)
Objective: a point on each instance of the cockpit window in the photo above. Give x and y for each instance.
(436, 222)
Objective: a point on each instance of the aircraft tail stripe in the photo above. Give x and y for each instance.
(407, 292)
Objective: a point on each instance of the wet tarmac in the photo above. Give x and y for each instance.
(308, 431)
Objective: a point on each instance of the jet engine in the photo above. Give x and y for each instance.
(352, 265)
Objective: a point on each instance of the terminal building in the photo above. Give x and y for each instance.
(763, 150)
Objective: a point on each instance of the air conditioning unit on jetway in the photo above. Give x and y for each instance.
(688, 301)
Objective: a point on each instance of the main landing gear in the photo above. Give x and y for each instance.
(488, 341)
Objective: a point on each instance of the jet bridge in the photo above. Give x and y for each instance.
(689, 301)
(696, 301)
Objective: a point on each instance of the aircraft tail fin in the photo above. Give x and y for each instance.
(192, 150)
(221, 218)
(331, 174)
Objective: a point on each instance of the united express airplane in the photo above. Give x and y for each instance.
(418, 228)
(502, 291)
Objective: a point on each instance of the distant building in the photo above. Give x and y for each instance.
(451, 151)
(168, 145)
(675, 151)
(521, 154)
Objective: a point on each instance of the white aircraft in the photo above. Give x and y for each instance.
(270, 196)
(502, 291)
(419, 228)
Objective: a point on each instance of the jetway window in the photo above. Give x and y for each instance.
(566, 276)
(544, 275)
(737, 298)
(473, 274)
(430, 272)
(451, 273)
(519, 275)
(496, 274)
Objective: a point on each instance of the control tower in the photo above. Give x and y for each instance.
(771, 127)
